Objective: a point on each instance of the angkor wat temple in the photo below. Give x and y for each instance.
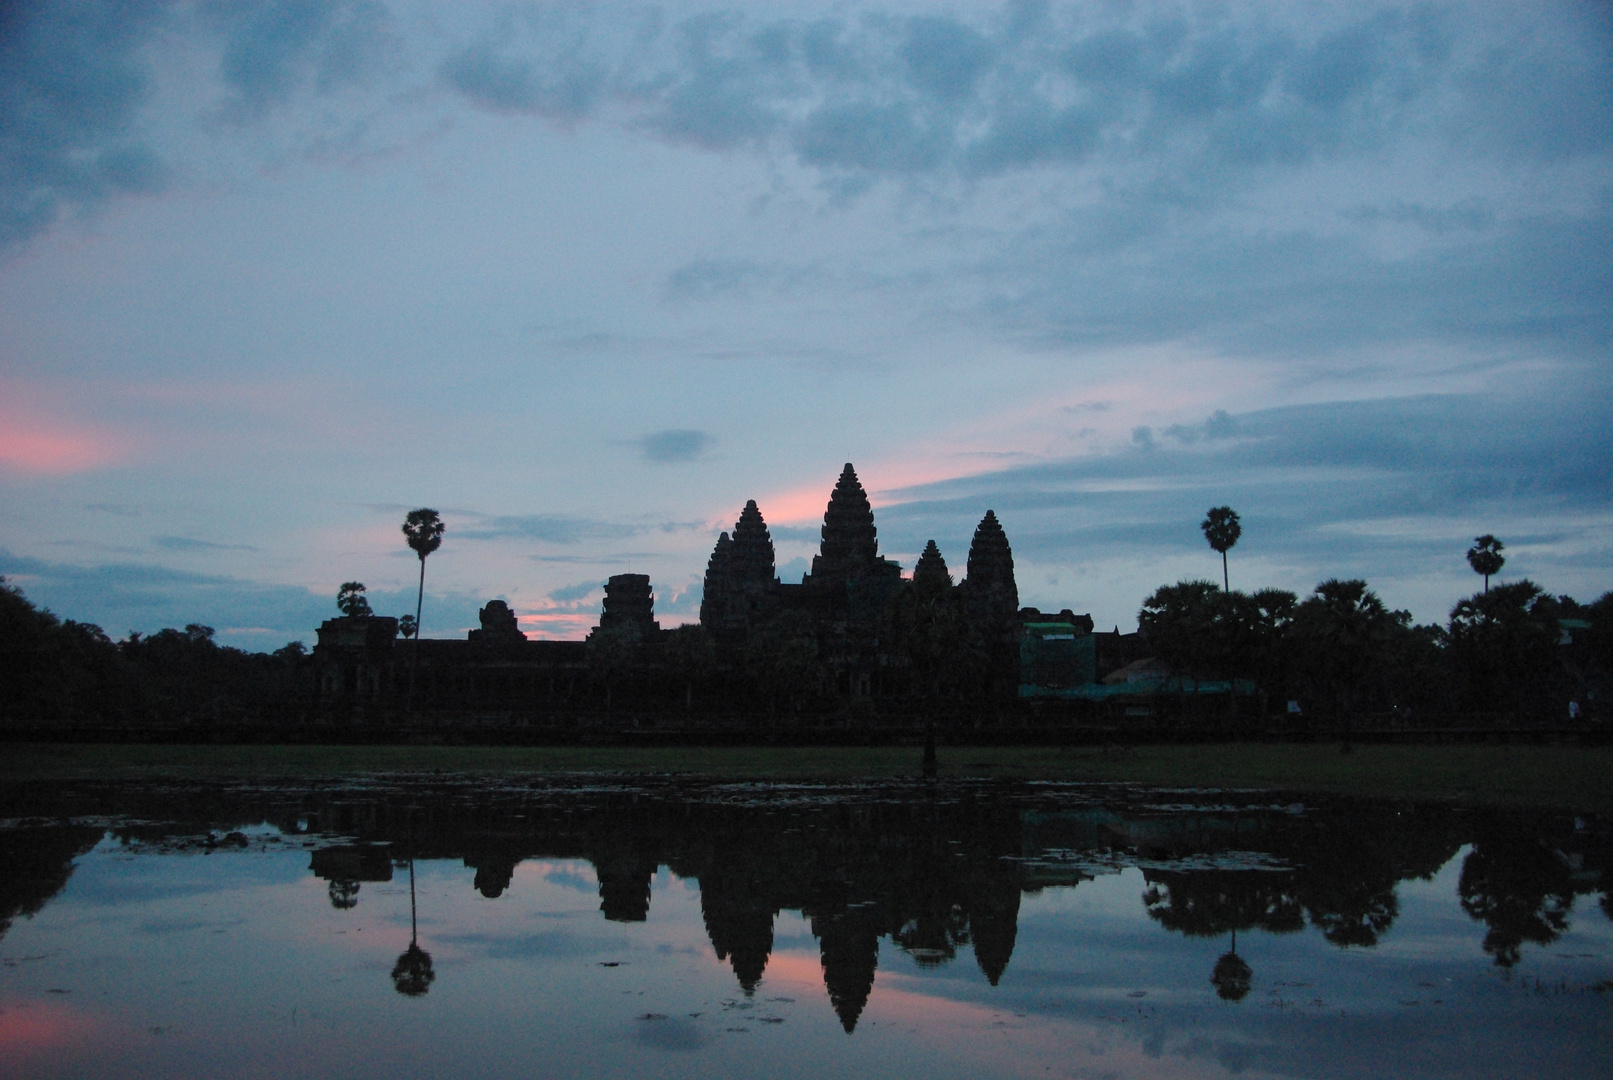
(846, 601)
(854, 641)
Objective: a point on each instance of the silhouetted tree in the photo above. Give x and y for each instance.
(350, 599)
(1503, 647)
(1271, 657)
(406, 627)
(1485, 557)
(1340, 631)
(1221, 529)
(343, 894)
(1179, 622)
(423, 530)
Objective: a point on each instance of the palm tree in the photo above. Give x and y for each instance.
(1485, 557)
(1222, 530)
(423, 530)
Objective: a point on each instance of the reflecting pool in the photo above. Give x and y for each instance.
(398, 927)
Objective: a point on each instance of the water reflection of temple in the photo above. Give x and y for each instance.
(934, 873)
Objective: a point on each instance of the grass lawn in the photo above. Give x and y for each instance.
(1565, 777)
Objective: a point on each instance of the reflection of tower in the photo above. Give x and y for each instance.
(740, 923)
(850, 947)
(624, 884)
(493, 876)
(345, 866)
(994, 922)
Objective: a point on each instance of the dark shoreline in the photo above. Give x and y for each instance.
(1557, 777)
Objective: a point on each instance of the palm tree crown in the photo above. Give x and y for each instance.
(423, 530)
(1485, 557)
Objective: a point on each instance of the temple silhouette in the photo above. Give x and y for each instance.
(853, 644)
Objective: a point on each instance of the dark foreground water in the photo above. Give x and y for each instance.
(468, 928)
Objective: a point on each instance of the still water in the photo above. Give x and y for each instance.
(457, 927)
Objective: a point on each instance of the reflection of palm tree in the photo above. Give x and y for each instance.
(343, 894)
(1231, 975)
(412, 974)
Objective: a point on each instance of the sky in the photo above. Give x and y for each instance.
(586, 277)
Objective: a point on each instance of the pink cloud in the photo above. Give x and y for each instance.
(28, 446)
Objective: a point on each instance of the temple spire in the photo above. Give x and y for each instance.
(930, 577)
(753, 549)
(849, 545)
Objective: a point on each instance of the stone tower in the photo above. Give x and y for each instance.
(993, 596)
(849, 548)
(740, 581)
(718, 588)
(629, 607)
(930, 577)
(753, 551)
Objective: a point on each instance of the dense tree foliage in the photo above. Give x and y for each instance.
(1343, 652)
(61, 673)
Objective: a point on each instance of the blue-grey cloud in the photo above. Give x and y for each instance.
(187, 543)
(1180, 111)
(578, 591)
(73, 78)
(1027, 85)
(549, 528)
(273, 50)
(1328, 489)
(674, 445)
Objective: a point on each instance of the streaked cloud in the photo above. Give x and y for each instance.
(674, 445)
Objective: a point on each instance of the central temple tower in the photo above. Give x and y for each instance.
(850, 545)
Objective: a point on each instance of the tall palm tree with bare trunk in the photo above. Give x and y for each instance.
(1222, 530)
(1485, 557)
(423, 530)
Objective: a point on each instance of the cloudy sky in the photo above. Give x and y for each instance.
(586, 277)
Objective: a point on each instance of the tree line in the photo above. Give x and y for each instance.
(1341, 651)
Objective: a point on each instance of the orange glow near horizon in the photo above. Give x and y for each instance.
(32, 1026)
